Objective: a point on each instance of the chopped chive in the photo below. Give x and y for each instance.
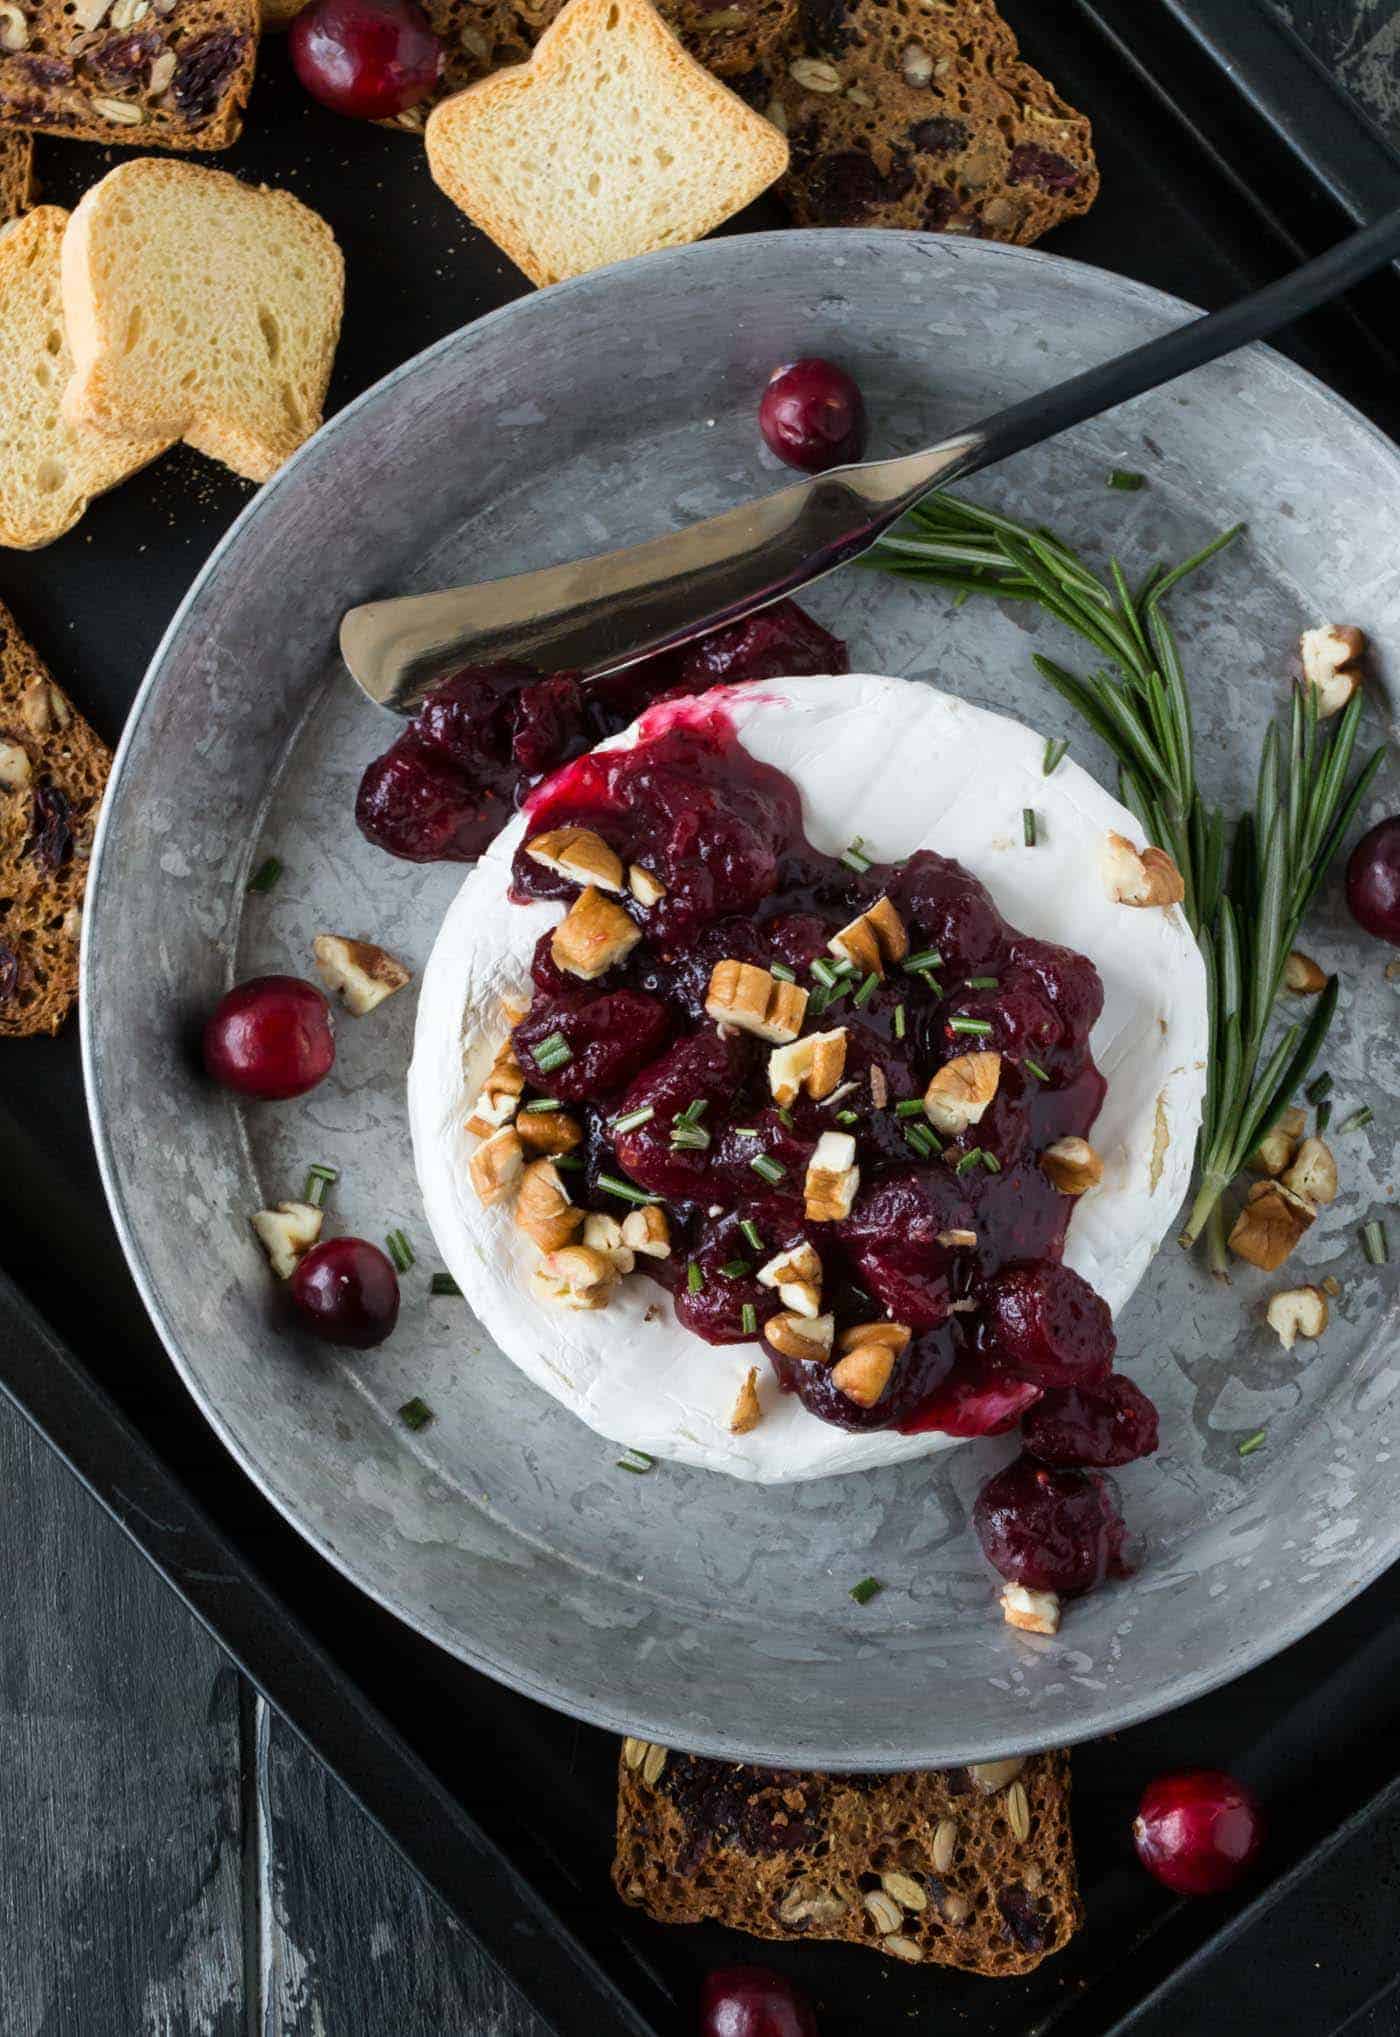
(932, 981)
(959, 1024)
(963, 594)
(772, 1170)
(867, 989)
(266, 875)
(783, 1115)
(752, 1233)
(982, 982)
(1055, 749)
(1319, 1087)
(400, 1251)
(1251, 1443)
(1357, 1119)
(825, 973)
(553, 1052)
(318, 1180)
(1324, 1118)
(748, 1318)
(817, 1002)
(846, 967)
(853, 858)
(866, 1590)
(1374, 1242)
(782, 972)
(696, 1109)
(990, 1162)
(632, 1120)
(848, 1117)
(922, 1140)
(911, 1107)
(899, 1021)
(1028, 826)
(443, 1283)
(694, 1278)
(416, 1414)
(1126, 480)
(927, 958)
(969, 1160)
(613, 1184)
(542, 1104)
(689, 1138)
(638, 1461)
(736, 1269)
(570, 1162)
(1036, 1070)
(744, 1131)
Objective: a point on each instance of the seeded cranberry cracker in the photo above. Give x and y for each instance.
(16, 175)
(167, 74)
(53, 770)
(965, 1867)
(911, 114)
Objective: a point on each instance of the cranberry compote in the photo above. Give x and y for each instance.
(1056, 1531)
(484, 735)
(1108, 1424)
(949, 1247)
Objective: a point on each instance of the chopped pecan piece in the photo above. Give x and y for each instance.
(741, 994)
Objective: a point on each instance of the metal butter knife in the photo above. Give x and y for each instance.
(599, 614)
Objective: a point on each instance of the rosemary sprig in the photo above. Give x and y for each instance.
(1245, 909)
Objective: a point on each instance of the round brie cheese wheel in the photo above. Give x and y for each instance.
(904, 767)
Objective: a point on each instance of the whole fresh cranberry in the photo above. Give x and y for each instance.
(1198, 1830)
(270, 1037)
(1373, 881)
(1046, 1324)
(753, 2001)
(1109, 1424)
(370, 59)
(812, 415)
(346, 1292)
(1050, 1530)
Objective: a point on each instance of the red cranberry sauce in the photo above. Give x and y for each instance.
(723, 833)
(485, 735)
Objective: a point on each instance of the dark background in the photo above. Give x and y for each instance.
(172, 1859)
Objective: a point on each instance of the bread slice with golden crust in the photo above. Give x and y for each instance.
(201, 308)
(610, 142)
(49, 469)
(53, 771)
(971, 1868)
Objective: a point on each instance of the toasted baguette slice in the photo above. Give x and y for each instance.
(16, 175)
(53, 771)
(610, 142)
(963, 1867)
(200, 308)
(49, 469)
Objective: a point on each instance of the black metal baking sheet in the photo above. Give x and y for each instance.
(1206, 194)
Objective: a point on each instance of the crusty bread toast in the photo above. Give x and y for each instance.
(965, 1867)
(173, 77)
(200, 308)
(49, 469)
(53, 770)
(611, 141)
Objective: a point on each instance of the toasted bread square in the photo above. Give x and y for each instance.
(200, 308)
(961, 1867)
(49, 469)
(53, 771)
(610, 142)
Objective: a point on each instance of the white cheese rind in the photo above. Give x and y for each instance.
(905, 767)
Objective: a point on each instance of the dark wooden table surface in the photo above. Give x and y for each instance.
(173, 1862)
